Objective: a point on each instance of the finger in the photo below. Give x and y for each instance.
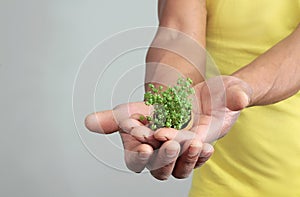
(145, 135)
(141, 132)
(129, 110)
(165, 134)
(205, 154)
(137, 158)
(129, 124)
(238, 95)
(108, 121)
(236, 98)
(187, 161)
(140, 117)
(102, 122)
(162, 163)
(136, 128)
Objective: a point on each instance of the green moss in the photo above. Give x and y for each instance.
(172, 107)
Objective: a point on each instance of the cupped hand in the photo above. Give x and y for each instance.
(218, 102)
(125, 119)
(169, 151)
(141, 149)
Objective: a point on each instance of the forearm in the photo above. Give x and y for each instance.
(178, 51)
(275, 75)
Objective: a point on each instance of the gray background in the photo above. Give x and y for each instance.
(42, 44)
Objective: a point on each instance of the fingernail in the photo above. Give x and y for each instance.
(171, 153)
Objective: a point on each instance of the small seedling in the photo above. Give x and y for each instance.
(172, 107)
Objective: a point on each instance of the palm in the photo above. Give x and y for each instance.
(220, 100)
(137, 139)
(217, 105)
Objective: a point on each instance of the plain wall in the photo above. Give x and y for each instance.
(42, 44)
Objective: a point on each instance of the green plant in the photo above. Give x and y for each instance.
(172, 107)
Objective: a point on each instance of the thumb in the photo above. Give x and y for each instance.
(102, 122)
(237, 98)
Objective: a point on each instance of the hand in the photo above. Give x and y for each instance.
(125, 118)
(181, 151)
(141, 149)
(219, 101)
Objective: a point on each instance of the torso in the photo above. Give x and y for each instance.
(260, 156)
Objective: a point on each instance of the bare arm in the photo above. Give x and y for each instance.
(176, 156)
(188, 17)
(182, 27)
(275, 75)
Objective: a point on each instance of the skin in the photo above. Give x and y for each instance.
(275, 75)
(168, 151)
(272, 77)
(180, 16)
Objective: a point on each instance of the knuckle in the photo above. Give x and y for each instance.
(166, 160)
(184, 171)
(198, 165)
(206, 155)
(190, 160)
(202, 160)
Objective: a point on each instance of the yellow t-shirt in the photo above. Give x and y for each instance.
(260, 156)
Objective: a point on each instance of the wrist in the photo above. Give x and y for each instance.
(166, 65)
(176, 51)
